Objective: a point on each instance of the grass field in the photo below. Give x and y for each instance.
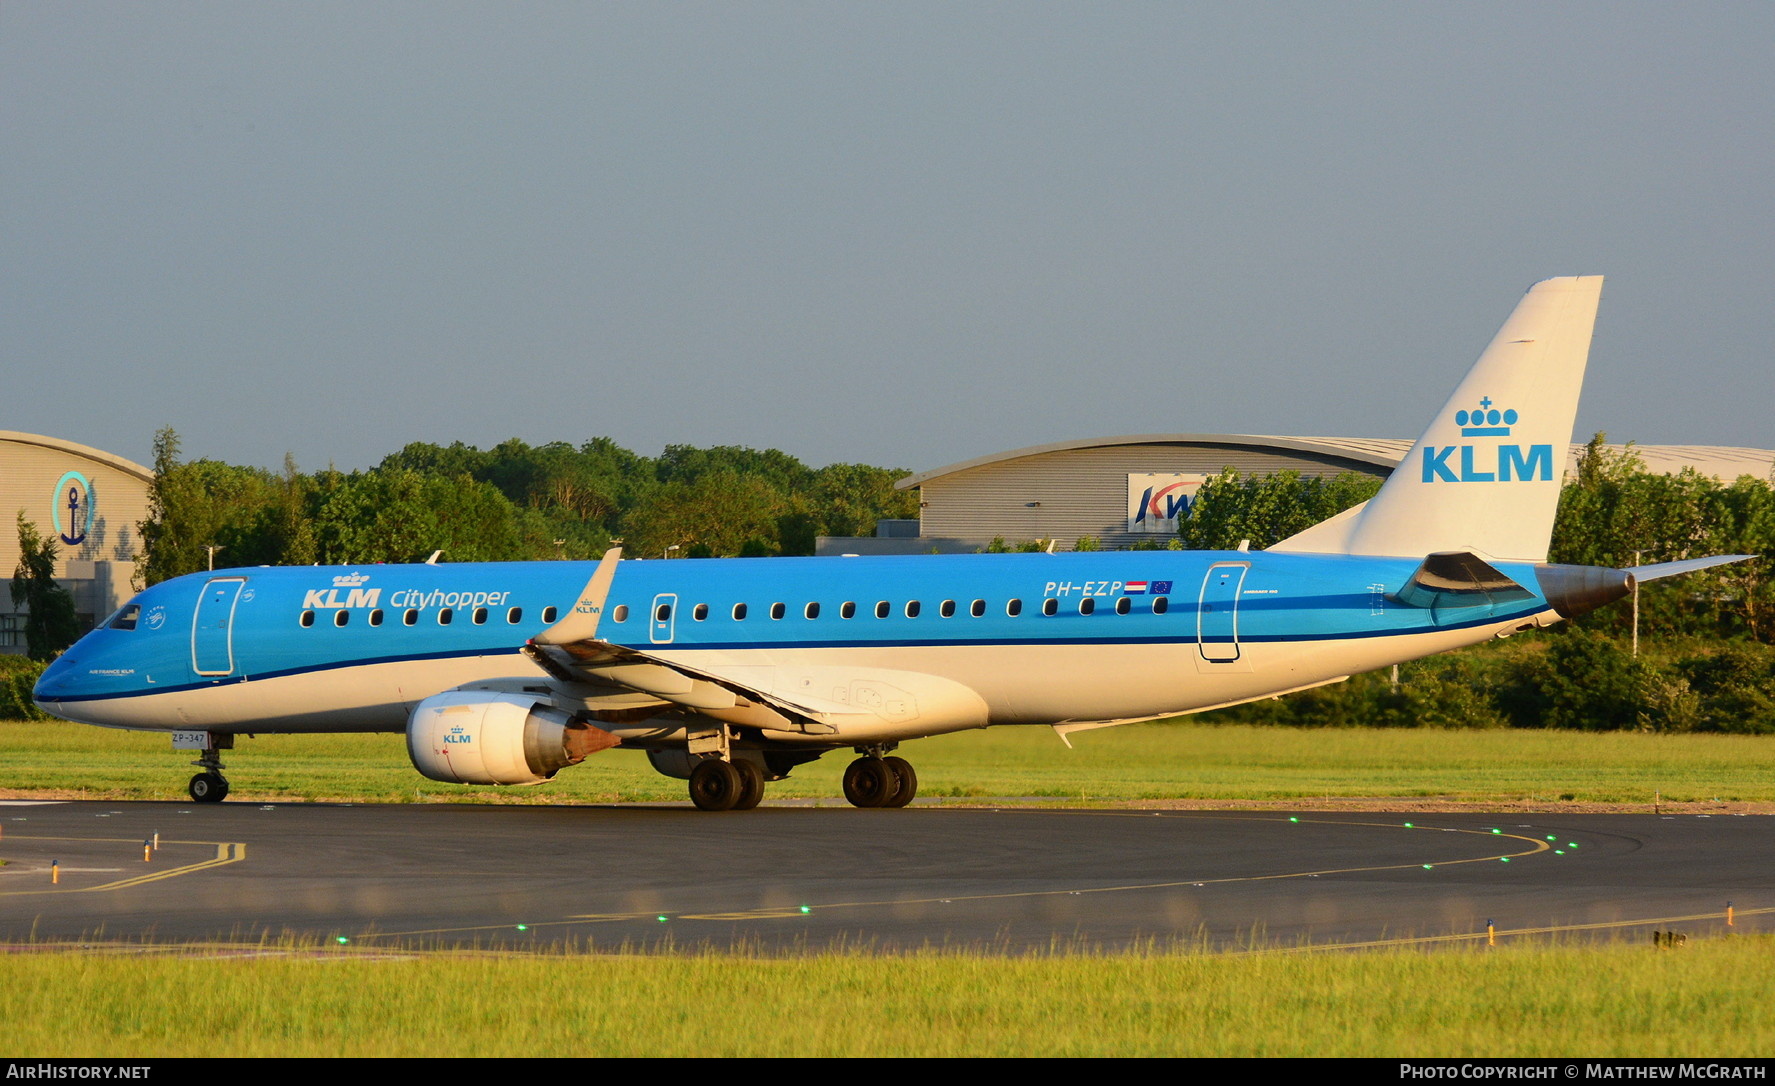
(1707, 999)
(1172, 761)
(1518, 1000)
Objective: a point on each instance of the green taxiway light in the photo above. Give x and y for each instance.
(1496, 830)
(1427, 867)
(1409, 826)
(523, 927)
(341, 940)
(1571, 844)
(1294, 820)
(661, 918)
(807, 908)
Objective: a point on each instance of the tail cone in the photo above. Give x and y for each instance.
(1579, 590)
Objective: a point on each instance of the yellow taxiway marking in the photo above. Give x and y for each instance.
(227, 852)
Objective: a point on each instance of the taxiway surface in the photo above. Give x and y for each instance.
(777, 877)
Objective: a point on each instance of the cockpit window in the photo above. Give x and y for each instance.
(125, 618)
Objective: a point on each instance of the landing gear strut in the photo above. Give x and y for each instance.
(210, 786)
(875, 781)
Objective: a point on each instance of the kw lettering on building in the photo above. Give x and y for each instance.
(1156, 500)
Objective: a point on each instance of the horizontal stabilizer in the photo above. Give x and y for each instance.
(1658, 572)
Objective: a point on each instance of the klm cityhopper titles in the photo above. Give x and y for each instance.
(729, 673)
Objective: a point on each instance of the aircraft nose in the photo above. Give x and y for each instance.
(55, 683)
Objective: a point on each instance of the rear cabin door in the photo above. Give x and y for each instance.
(212, 628)
(1217, 612)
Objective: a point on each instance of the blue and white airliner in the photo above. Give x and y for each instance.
(731, 672)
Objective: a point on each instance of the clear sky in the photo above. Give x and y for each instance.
(903, 234)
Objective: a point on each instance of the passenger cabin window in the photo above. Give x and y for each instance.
(1013, 608)
(515, 615)
(882, 609)
(777, 610)
(847, 609)
(307, 618)
(341, 617)
(621, 614)
(1161, 605)
(376, 617)
(1123, 606)
(911, 608)
(700, 612)
(739, 612)
(946, 609)
(548, 615)
(411, 617)
(1087, 605)
(1050, 606)
(445, 615)
(812, 610)
(480, 616)
(977, 608)
(125, 618)
(662, 613)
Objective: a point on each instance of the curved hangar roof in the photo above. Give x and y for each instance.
(1097, 486)
(86, 500)
(1719, 461)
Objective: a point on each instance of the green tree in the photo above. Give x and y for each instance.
(50, 623)
(1266, 509)
(723, 511)
(398, 515)
(170, 542)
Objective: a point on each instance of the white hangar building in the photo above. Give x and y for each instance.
(88, 503)
(1122, 490)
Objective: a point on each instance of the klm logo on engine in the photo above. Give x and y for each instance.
(1487, 463)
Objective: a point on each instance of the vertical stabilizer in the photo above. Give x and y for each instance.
(1486, 475)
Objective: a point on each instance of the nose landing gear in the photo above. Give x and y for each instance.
(210, 786)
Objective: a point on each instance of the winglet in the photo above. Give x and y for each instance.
(581, 623)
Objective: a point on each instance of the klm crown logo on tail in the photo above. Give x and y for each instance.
(1500, 463)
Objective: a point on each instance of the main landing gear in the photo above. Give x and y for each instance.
(721, 779)
(210, 786)
(875, 781)
(719, 785)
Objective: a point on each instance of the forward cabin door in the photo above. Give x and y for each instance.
(212, 628)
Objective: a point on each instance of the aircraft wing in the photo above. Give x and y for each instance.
(803, 699)
(697, 689)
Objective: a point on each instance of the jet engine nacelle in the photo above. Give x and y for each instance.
(485, 737)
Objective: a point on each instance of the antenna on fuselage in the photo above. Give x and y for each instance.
(433, 560)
